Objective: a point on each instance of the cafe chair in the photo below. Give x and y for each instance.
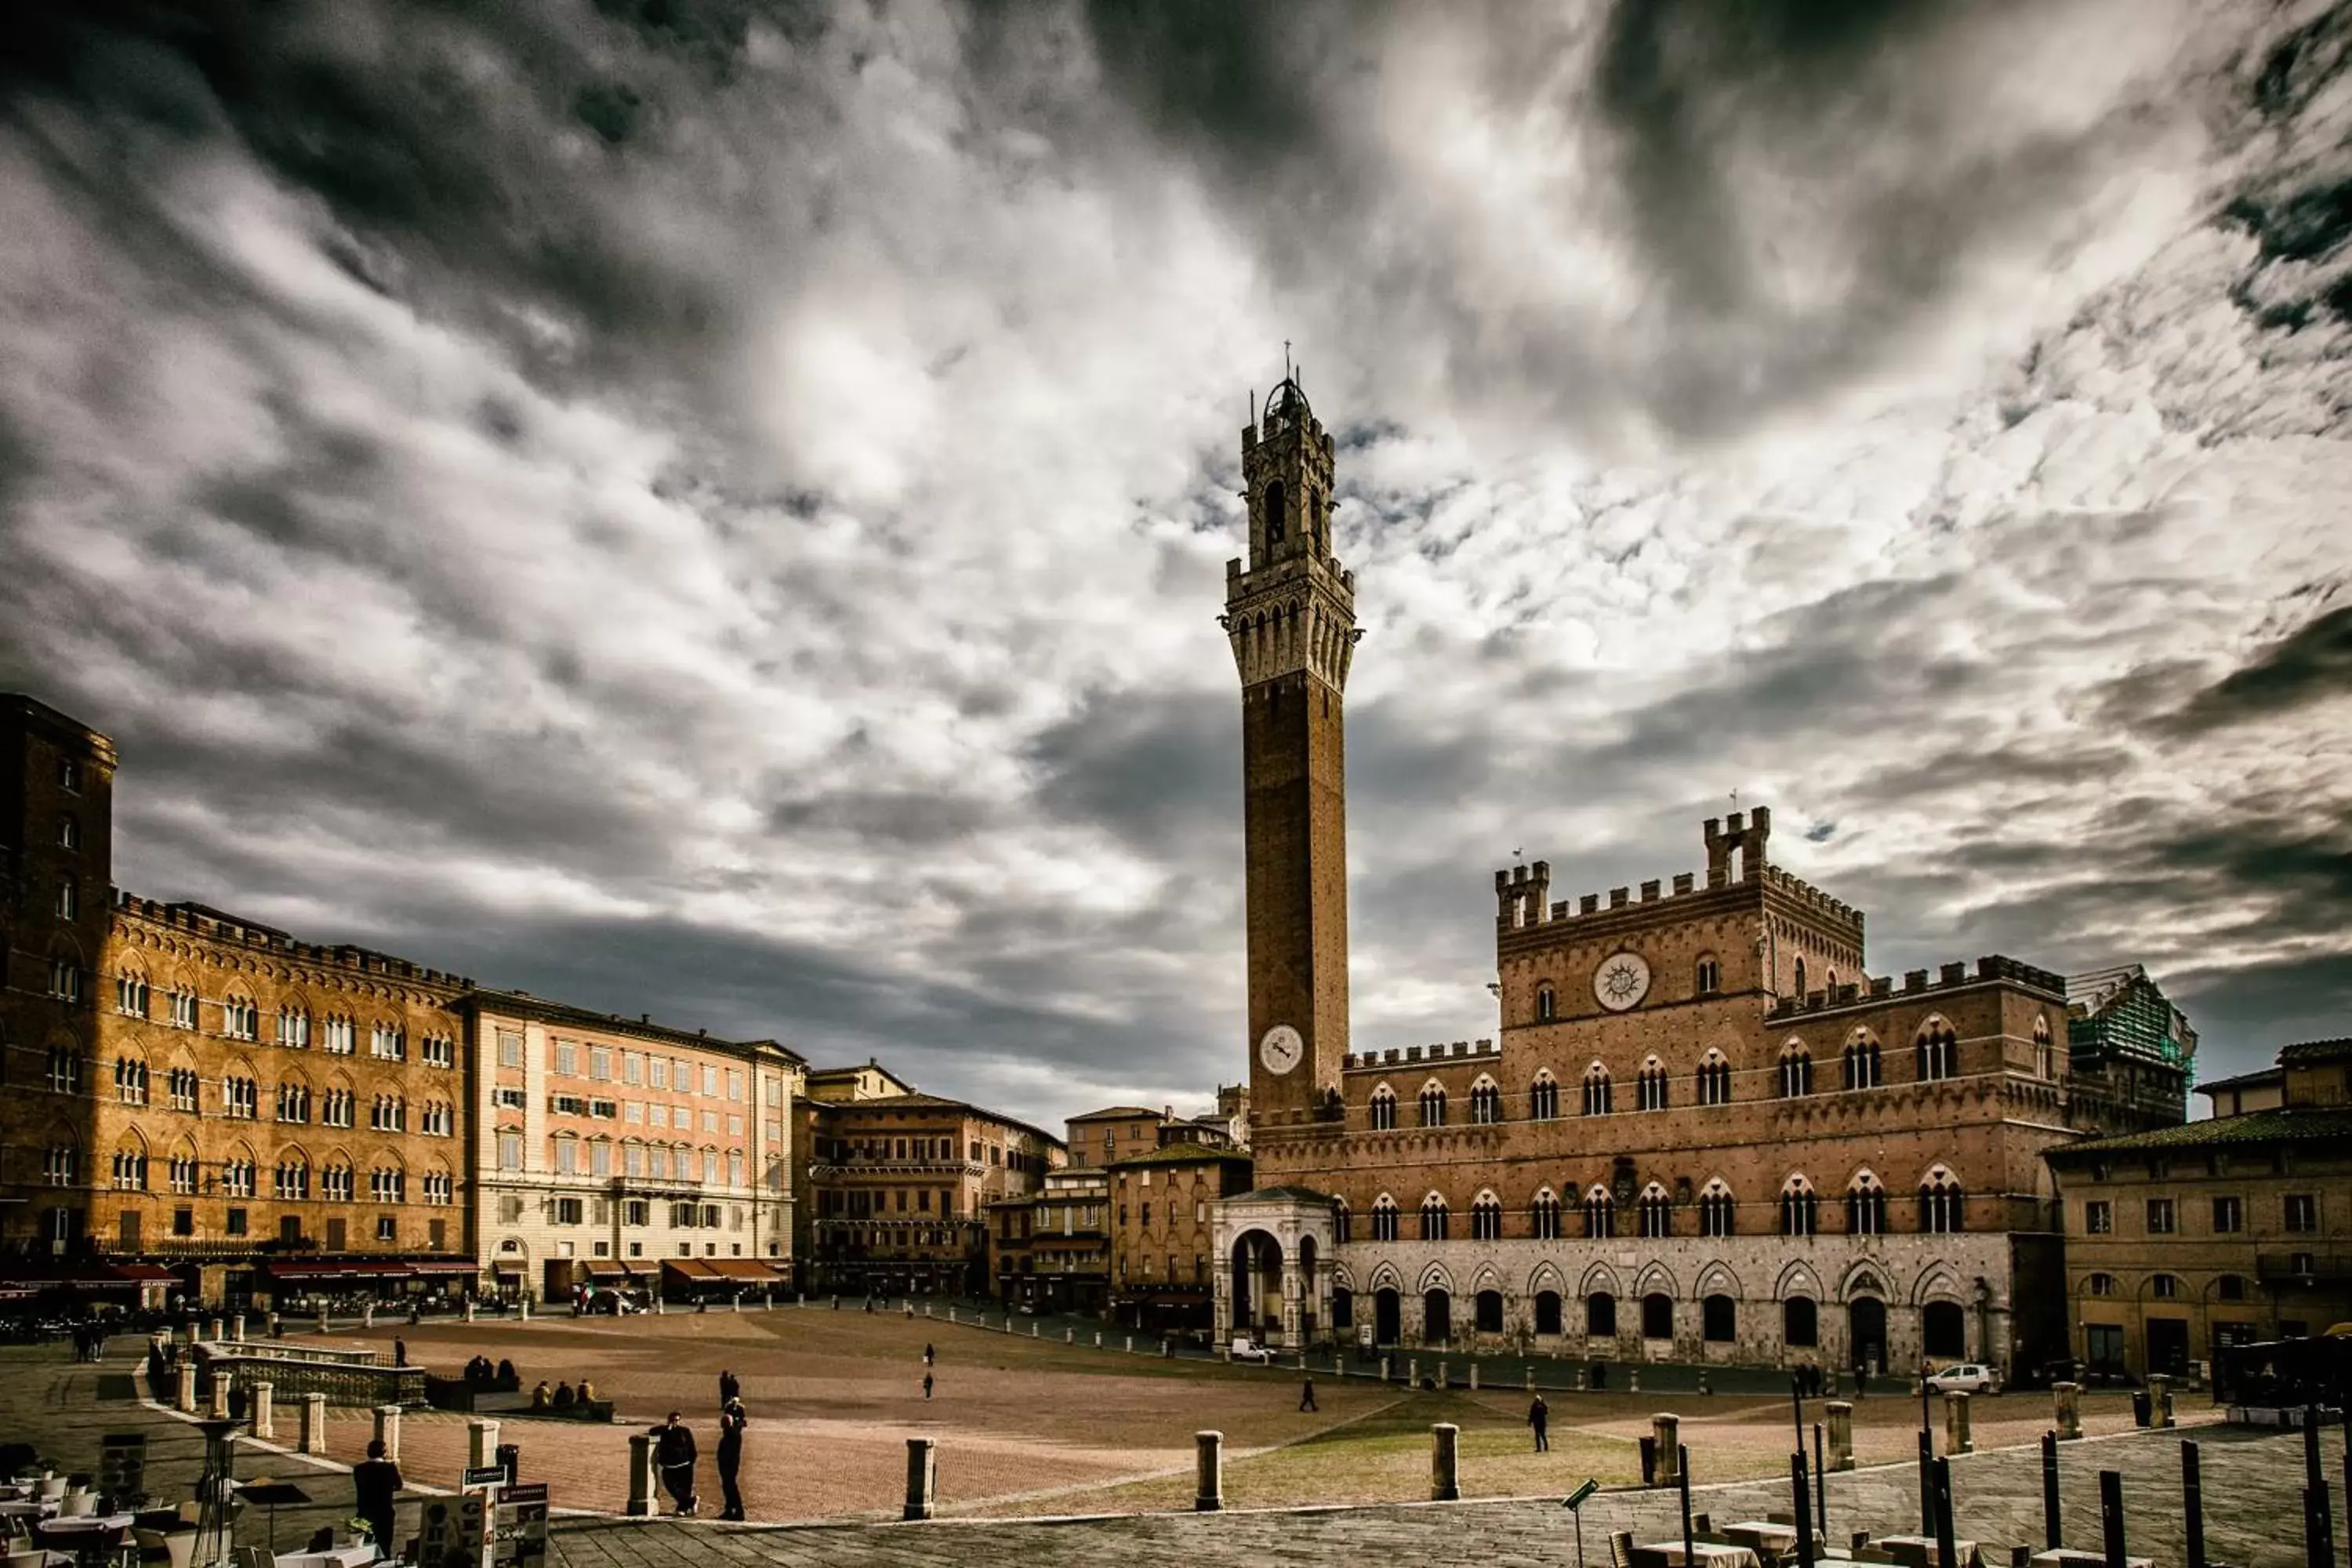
(1620, 1549)
(78, 1505)
(51, 1490)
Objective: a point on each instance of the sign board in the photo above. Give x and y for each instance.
(484, 1476)
(1575, 1500)
(452, 1532)
(518, 1536)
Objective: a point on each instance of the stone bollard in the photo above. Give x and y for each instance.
(922, 1477)
(1841, 1436)
(1209, 1472)
(469, 1309)
(367, 1314)
(277, 1324)
(481, 1443)
(322, 1319)
(1956, 1436)
(1666, 1427)
(222, 1378)
(1634, 1380)
(213, 1330)
(1130, 1344)
(1069, 1336)
(1531, 1379)
(260, 1415)
(236, 1328)
(641, 1475)
(911, 1308)
(1384, 1369)
(1703, 1388)
(927, 1309)
(2067, 1399)
(2159, 1399)
(1441, 1376)
(1097, 1338)
(1412, 1372)
(1579, 1377)
(736, 1306)
(1033, 1329)
(952, 1317)
(314, 1424)
(522, 1309)
(387, 1430)
(1444, 1463)
(1473, 1377)
(186, 1401)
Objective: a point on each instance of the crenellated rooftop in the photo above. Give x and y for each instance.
(1735, 857)
(1429, 1055)
(215, 925)
(1918, 982)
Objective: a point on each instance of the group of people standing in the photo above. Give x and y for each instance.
(675, 1453)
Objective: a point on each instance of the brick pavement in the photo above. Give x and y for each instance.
(2251, 1487)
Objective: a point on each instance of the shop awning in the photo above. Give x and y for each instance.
(605, 1268)
(742, 1270)
(693, 1270)
(85, 1277)
(351, 1272)
(443, 1267)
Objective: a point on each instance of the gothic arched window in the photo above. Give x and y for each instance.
(1486, 1218)
(1432, 1219)
(1547, 1003)
(1600, 1213)
(1714, 1079)
(1939, 1202)
(1799, 1209)
(1937, 1050)
(1433, 1104)
(1384, 1218)
(1796, 1070)
(1544, 1216)
(1596, 1090)
(1275, 499)
(1865, 1206)
(1707, 979)
(1862, 1060)
(1486, 1103)
(1658, 1212)
(1801, 977)
(1715, 1211)
(1383, 1109)
(1543, 1098)
(1650, 1087)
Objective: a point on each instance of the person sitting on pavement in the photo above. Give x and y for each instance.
(539, 1398)
(565, 1397)
(587, 1392)
(508, 1377)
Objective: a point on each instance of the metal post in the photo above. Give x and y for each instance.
(2052, 1537)
(2318, 1520)
(1682, 1478)
(2111, 1516)
(1947, 1552)
(2192, 1505)
(1927, 1458)
(1804, 1514)
(1821, 1487)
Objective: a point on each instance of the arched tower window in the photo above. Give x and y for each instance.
(1486, 1218)
(2042, 1055)
(1596, 1090)
(1862, 1060)
(1486, 1101)
(1433, 1104)
(1277, 501)
(1796, 1070)
(1432, 1219)
(1383, 1109)
(1708, 979)
(1342, 1221)
(1547, 1003)
(1384, 1218)
(1937, 1050)
(1801, 977)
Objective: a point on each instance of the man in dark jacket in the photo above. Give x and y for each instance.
(674, 1456)
(1540, 1418)
(729, 1389)
(375, 1481)
(732, 1419)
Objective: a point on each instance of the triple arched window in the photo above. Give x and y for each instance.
(1486, 1218)
(1796, 1070)
(1865, 1206)
(1432, 1219)
(1714, 1079)
(1940, 1208)
(1543, 1216)
(1715, 1209)
(1433, 1104)
(1384, 1218)
(1658, 1212)
(1937, 1049)
(1486, 1103)
(1543, 1098)
(1597, 1101)
(1650, 1087)
(1799, 1211)
(1383, 1109)
(1600, 1213)
(1862, 1060)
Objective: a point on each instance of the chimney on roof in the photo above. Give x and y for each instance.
(1167, 1113)
(644, 1018)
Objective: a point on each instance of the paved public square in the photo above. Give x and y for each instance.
(1040, 1429)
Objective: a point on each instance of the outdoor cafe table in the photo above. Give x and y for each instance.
(1709, 1554)
(1778, 1538)
(27, 1508)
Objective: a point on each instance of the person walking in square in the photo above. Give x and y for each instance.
(1306, 1394)
(375, 1481)
(927, 1388)
(1540, 1418)
(674, 1454)
(730, 1388)
(732, 1419)
(927, 1354)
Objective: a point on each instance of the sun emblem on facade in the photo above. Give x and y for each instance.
(1621, 981)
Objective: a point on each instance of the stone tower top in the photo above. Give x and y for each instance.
(1294, 608)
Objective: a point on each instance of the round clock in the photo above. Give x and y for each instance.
(1281, 1049)
(1621, 981)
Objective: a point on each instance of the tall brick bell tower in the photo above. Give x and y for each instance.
(1291, 619)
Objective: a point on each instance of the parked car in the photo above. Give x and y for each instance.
(1246, 1350)
(1966, 1377)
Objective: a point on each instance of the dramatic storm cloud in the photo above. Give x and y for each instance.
(719, 510)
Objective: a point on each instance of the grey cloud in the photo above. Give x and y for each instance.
(2311, 665)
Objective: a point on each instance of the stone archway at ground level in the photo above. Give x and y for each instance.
(1866, 1331)
(1436, 1316)
(1256, 1282)
(1388, 1315)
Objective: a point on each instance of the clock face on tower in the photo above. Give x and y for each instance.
(1621, 981)
(1281, 1049)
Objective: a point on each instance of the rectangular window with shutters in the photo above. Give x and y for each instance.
(2098, 1217)
(566, 1060)
(567, 1211)
(2302, 1212)
(509, 1047)
(2228, 1216)
(2160, 1217)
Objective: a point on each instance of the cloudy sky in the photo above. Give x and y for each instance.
(719, 509)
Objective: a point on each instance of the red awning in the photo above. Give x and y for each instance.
(437, 1268)
(291, 1273)
(693, 1269)
(744, 1270)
